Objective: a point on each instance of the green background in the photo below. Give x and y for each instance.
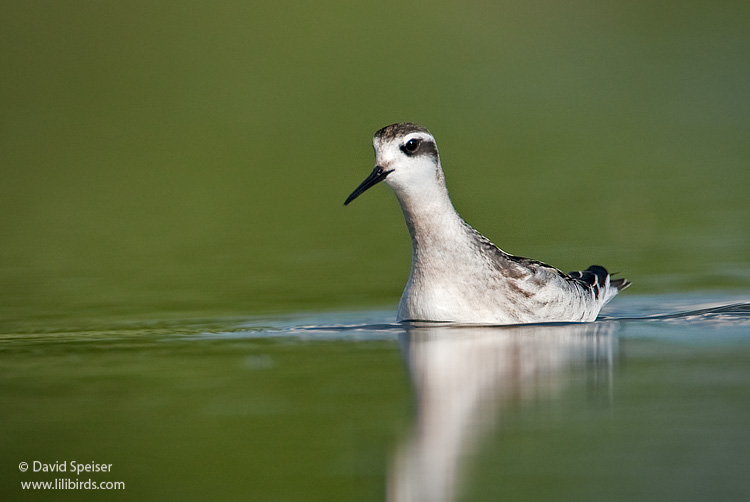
(193, 157)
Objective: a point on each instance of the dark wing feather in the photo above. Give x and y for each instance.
(595, 277)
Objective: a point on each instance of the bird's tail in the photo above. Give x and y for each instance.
(600, 281)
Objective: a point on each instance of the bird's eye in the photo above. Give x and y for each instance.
(411, 145)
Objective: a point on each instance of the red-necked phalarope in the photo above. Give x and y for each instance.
(457, 274)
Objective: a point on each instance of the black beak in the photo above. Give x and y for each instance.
(376, 176)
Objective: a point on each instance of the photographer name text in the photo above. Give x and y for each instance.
(70, 466)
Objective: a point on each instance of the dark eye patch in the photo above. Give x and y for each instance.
(411, 146)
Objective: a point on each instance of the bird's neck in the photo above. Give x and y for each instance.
(434, 225)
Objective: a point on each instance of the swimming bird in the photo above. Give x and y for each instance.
(457, 274)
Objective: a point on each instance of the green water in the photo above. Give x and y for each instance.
(325, 408)
(174, 250)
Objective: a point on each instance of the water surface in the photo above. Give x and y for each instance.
(352, 406)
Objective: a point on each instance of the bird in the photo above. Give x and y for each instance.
(457, 274)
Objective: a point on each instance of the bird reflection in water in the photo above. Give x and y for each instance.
(464, 377)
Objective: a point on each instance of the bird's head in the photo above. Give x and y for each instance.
(406, 158)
